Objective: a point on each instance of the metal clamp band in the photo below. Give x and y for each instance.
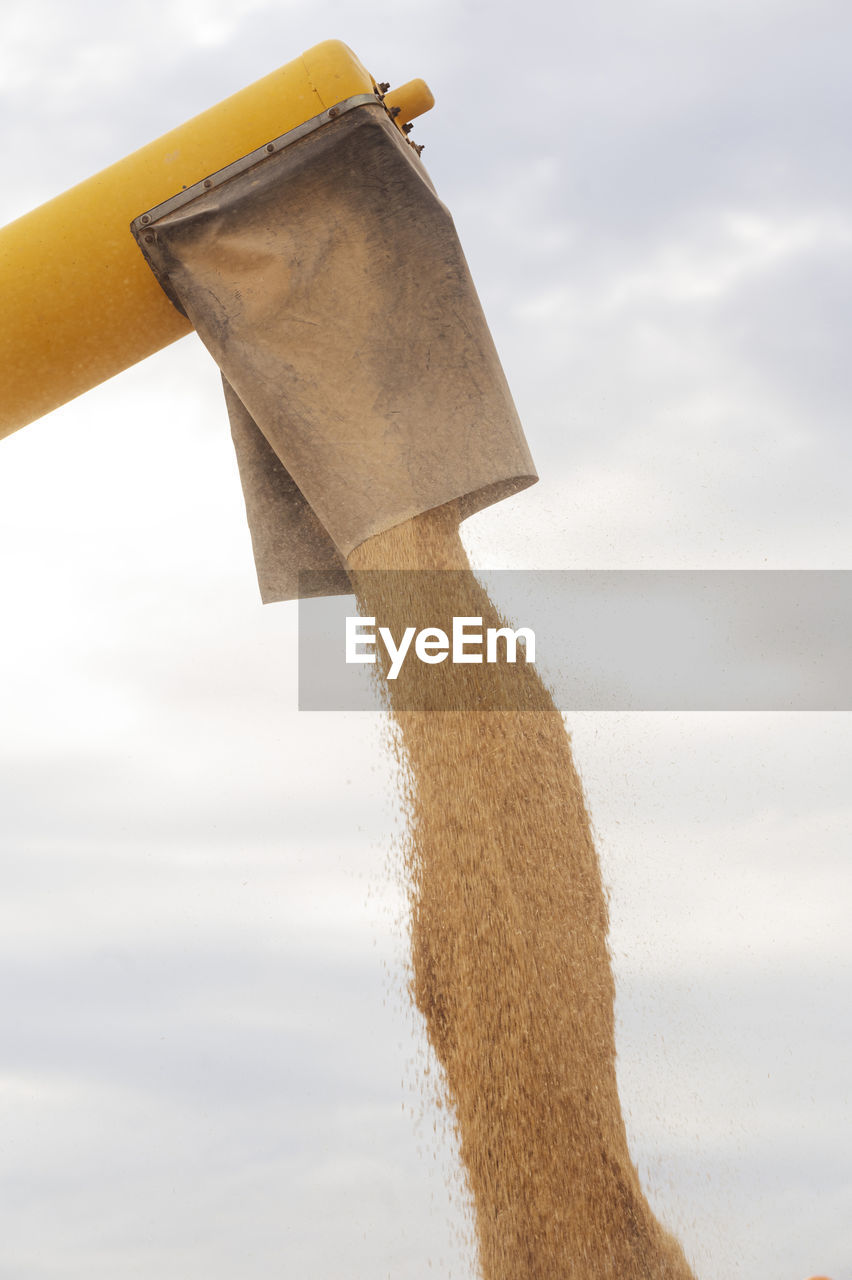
(144, 220)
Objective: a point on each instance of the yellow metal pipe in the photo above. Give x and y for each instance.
(413, 99)
(79, 302)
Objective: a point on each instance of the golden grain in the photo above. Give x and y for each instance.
(511, 968)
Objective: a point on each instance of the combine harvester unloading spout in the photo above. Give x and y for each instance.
(294, 227)
(79, 303)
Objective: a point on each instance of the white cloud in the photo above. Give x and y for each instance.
(739, 246)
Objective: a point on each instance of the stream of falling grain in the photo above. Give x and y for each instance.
(511, 968)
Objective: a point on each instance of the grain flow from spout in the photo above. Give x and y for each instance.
(510, 963)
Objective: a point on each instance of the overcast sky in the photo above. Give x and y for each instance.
(208, 1066)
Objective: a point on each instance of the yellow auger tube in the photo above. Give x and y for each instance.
(79, 302)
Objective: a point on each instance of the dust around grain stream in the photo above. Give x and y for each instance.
(510, 963)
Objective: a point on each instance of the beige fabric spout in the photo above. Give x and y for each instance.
(286, 535)
(362, 383)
